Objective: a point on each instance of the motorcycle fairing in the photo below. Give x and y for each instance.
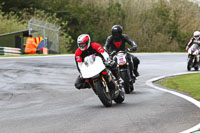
(92, 66)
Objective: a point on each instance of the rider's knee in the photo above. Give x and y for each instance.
(79, 83)
(136, 60)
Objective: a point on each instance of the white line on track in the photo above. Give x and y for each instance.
(190, 99)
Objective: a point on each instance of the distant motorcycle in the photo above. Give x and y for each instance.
(124, 70)
(91, 69)
(193, 57)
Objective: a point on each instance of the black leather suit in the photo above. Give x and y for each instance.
(119, 44)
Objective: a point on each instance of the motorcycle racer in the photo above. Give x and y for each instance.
(193, 48)
(194, 40)
(85, 48)
(116, 42)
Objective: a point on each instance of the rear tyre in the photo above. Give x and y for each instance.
(104, 96)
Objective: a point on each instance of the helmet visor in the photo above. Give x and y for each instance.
(196, 37)
(116, 34)
(82, 45)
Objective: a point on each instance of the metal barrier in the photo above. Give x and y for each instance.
(10, 51)
(50, 33)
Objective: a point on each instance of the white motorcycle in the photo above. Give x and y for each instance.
(193, 57)
(107, 91)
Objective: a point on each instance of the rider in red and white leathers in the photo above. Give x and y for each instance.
(85, 48)
(194, 40)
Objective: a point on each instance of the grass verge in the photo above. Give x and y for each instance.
(187, 83)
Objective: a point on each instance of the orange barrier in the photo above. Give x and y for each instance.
(38, 40)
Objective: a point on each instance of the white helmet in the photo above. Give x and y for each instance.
(196, 34)
(83, 41)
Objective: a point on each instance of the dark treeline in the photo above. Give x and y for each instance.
(155, 25)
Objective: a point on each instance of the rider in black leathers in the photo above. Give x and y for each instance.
(116, 42)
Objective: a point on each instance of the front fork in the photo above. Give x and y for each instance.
(127, 69)
(105, 84)
(107, 80)
(197, 58)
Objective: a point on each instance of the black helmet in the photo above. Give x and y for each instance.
(117, 30)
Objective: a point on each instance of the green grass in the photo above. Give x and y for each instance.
(187, 83)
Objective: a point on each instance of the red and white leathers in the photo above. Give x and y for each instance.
(193, 41)
(94, 48)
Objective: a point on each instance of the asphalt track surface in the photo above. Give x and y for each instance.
(37, 95)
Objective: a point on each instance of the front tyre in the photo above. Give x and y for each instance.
(132, 86)
(196, 68)
(189, 65)
(105, 97)
(120, 98)
(196, 65)
(125, 77)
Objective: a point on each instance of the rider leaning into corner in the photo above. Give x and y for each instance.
(86, 48)
(116, 42)
(194, 40)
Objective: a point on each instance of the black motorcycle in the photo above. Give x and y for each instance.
(124, 70)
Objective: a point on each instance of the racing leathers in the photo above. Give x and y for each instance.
(94, 48)
(118, 44)
(193, 41)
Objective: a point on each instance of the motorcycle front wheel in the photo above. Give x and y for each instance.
(196, 65)
(196, 68)
(132, 86)
(120, 98)
(105, 97)
(189, 65)
(127, 86)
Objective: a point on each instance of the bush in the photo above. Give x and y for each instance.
(92, 19)
(162, 24)
(10, 23)
(154, 25)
